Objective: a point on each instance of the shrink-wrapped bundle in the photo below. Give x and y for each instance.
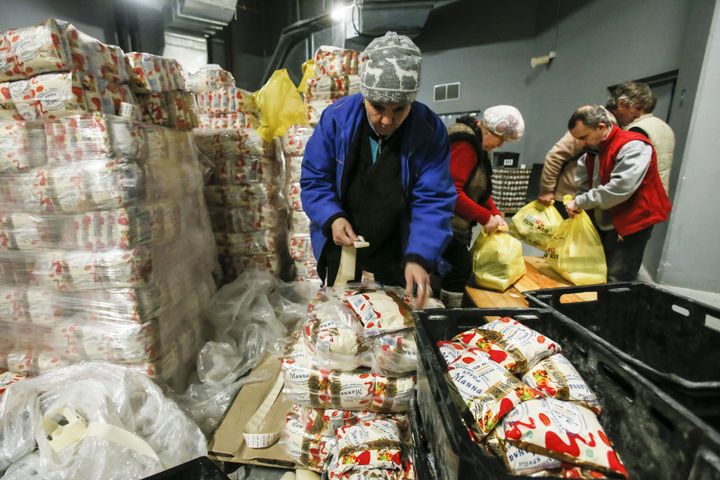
(106, 249)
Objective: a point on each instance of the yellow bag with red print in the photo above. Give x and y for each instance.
(576, 251)
(535, 224)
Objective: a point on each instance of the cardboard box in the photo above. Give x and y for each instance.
(228, 443)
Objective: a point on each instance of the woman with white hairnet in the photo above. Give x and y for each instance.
(470, 141)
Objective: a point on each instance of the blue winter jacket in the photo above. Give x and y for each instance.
(425, 155)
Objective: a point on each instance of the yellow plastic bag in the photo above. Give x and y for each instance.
(576, 252)
(308, 71)
(497, 261)
(535, 224)
(280, 106)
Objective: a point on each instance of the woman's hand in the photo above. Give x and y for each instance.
(493, 224)
(416, 276)
(342, 232)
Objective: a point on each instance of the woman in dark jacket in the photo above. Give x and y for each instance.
(470, 141)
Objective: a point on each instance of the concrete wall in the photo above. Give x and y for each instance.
(488, 75)
(700, 14)
(690, 258)
(599, 44)
(96, 18)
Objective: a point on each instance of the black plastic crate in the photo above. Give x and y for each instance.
(670, 339)
(201, 468)
(422, 457)
(656, 437)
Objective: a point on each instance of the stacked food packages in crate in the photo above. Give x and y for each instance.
(350, 372)
(248, 214)
(335, 76)
(106, 250)
(510, 187)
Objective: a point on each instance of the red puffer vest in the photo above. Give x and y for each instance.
(649, 204)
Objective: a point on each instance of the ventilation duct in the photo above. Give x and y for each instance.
(372, 18)
(205, 16)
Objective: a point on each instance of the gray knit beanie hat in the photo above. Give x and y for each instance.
(390, 69)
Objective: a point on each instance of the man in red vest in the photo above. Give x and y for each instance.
(618, 179)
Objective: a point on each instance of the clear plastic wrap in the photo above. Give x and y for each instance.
(379, 309)
(248, 214)
(53, 95)
(293, 168)
(293, 197)
(336, 61)
(243, 170)
(311, 386)
(106, 250)
(295, 140)
(236, 120)
(327, 87)
(99, 393)
(300, 246)
(8, 378)
(122, 228)
(250, 218)
(309, 434)
(315, 109)
(337, 340)
(260, 242)
(307, 270)
(232, 143)
(56, 46)
(226, 100)
(395, 353)
(233, 196)
(169, 109)
(300, 222)
(153, 74)
(208, 78)
(248, 315)
(236, 264)
(371, 445)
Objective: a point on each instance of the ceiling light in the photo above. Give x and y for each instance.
(338, 13)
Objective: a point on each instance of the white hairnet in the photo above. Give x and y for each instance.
(504, 121)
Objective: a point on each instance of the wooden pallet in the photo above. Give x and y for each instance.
(539, 275)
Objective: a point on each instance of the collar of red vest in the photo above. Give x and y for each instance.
(611, 136)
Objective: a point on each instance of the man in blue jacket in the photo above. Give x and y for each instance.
(377, 165)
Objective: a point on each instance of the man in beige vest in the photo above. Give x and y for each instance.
(632, 103)
(558, 174)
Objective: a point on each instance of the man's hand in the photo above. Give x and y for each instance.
(493, 224)
(343, 233)
(416, 275)
(502, 224)
(572, 209)
(546, 199)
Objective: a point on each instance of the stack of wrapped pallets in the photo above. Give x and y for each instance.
(106, 251)
(244, 191)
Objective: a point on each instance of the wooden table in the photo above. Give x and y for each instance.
(539, 275)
